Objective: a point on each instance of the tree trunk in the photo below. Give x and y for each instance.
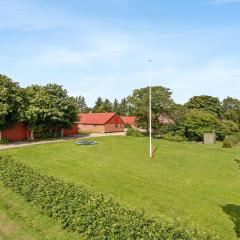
(0, 135)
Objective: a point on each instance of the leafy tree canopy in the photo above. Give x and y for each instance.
(231, 109)
(161, 103)
(49, 106)
(10, 102)
(81, 104)
(197, 122)
(206, 103)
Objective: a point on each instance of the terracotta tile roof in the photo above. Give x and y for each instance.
(95, 118)
(129, 119)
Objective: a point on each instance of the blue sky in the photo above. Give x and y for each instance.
(101, 47)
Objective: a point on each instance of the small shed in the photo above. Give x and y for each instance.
(100, 122)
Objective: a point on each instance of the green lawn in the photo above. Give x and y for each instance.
(196, 182)
(20, 220)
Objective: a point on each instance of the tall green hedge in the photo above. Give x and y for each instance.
(91, 215)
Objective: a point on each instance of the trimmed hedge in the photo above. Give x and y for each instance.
(89, 214)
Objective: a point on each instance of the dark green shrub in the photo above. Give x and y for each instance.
(134, 133)
(91, 215)
(43, 132)
(128, 126)
(4, 140)
(230, 141)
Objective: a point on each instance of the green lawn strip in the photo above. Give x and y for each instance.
(192, 181)
(20, 220)
(91, 215)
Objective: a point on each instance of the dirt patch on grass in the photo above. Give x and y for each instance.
(7, 226)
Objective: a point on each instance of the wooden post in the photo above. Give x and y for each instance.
(32, 135)
(0, 135)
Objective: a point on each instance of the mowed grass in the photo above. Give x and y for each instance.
(197, 182)
(20, 220)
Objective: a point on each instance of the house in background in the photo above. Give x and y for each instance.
(165, 119)
(129, 120)
(100, 122)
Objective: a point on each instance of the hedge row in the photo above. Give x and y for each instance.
(88, 213)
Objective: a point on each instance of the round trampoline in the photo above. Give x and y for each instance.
(85, 142)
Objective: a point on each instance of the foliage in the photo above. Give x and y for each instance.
(102, 106)
(230, 141)
(225, 128)
(81, 104)
(205, 103)
(231, 109)
(107, 106)
(4, 140)
(43, 132)
(116, 106)
(98, 105)
(134, 132)
(161, 103)
(196, 123)
(49, 107)
(91, 215)
(10, 102)
(125, 108)
(178, 112)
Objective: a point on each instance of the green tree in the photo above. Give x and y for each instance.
(226, 128)
(107, 106)
(205, 103)
(116, 106)
(11, 96)
(81, 104)
(231, 109)
(49, 108)
(161, 103)
(99, 105)
(124, 107)
(196, 123)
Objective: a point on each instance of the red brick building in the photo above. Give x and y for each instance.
(129, 120)
(100, 122)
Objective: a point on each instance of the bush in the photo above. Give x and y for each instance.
(173, 138)
(4, 140)
(134, 133)
(196, 123)
(230, 141)
(42, 132)
(226, 128)
(91, 215)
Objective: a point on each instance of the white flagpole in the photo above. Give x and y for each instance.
(150, 109)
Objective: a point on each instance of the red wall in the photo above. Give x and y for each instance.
(115, 120)
(72, 131)
(19, 132)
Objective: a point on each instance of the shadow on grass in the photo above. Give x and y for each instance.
(233, 211)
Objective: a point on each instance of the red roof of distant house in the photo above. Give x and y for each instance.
(95, 118)
(129, 119)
